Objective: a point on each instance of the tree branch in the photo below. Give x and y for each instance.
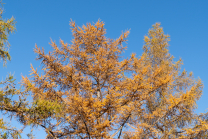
(121, 127)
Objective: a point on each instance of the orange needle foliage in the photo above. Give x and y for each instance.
(87, 91)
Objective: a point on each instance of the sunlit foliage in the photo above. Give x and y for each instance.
(7, 26)
(86, 89)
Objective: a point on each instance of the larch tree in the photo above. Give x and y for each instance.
(7, 87)
(86, 89)
(6, 26)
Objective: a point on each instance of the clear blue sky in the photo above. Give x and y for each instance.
(186, 21)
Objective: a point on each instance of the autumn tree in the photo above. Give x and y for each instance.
(8, 104)
(6, 26)
(86, 89)
(7, 89)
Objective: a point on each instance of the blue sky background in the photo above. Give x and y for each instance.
(186, 21)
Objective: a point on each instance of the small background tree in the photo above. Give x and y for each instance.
(7, 87)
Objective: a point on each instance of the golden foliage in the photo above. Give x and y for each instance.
(87, 91)
(6, 27)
